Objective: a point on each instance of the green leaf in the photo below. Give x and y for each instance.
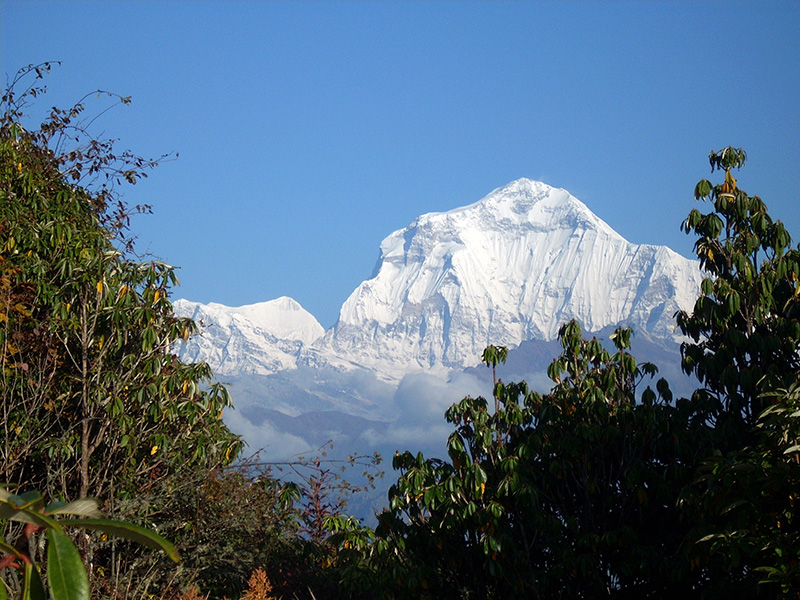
(65, 571)
(33, 588)
(707, 287)
(26, 500)
(128, 531)
(702, 189)
(11, 512)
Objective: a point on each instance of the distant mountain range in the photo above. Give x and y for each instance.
(506, 270)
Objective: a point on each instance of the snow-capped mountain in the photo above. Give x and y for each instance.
(508, 269)
(511, 267)
(259, 338)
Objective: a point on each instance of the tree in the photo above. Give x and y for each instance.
(93, 400)
(86, 362)
(744, 327)
(745, 330)
(561, 495)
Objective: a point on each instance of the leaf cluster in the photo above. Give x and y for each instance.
(563, 493)
(66, 575)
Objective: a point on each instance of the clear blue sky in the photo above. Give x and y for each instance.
(308, 131)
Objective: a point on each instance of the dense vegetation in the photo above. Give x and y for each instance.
(94, 402)
(606, 486)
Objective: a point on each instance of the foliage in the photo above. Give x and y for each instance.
(562, 495)
(258, 586)
(66, 575)
(229, 522)
(744, 327)
(745, 330)
(226, 523)
(319, 486)
(93, 400)
(92, 397)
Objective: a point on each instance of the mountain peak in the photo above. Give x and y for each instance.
(523, 204)
(513, 266)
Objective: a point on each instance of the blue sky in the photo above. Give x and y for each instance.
(307, 132)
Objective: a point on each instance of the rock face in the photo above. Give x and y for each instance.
(509, 268)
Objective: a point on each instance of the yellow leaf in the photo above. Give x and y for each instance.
(19, 167)
(153, 450)
(730, 180)
(99, 287)
(185, 386)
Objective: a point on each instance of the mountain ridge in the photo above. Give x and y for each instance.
(512, 266)
(508, 268)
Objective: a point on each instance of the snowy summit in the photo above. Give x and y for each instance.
(511, 267)
(258, 338)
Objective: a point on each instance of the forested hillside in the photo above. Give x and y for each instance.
(606, 486)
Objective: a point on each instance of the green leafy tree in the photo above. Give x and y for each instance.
(92, 396)
(561, 495)
(93, 400)
(744, 330)
(744, 327)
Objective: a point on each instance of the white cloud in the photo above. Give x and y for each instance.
(272, 445)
